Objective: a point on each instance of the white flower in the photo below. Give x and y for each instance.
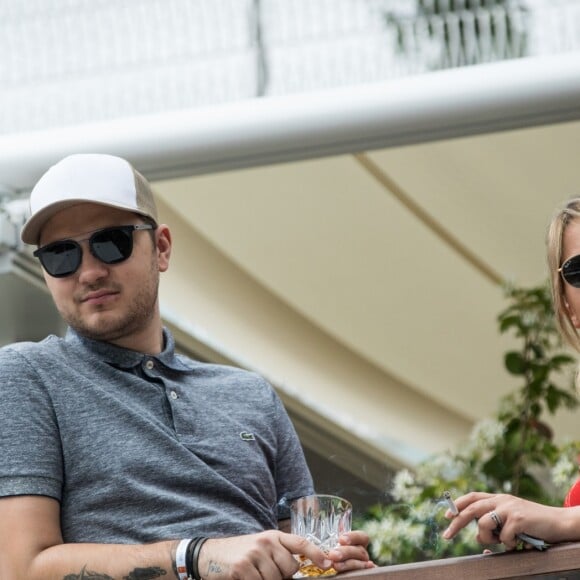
(389, 534)
(424, 511)
(564, 472)
(404, 488)
(486, 433)
(442, 466)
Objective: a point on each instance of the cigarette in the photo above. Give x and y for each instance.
(450, 503)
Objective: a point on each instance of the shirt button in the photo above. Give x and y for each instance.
(173, 395)
(149, 364)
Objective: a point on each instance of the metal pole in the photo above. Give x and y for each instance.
(261, 61)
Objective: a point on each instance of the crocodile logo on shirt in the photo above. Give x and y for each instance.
(245, 436)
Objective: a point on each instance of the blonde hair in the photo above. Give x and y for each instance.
(564, 216)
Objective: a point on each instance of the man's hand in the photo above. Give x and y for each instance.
(269, 556)
(352, 553)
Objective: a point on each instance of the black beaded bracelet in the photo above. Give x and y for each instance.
(192, 557)
(195, 558)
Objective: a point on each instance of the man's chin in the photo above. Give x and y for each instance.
(102, 330)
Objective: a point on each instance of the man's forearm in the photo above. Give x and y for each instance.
(105, 562)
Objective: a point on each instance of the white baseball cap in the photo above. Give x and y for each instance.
(87, 177)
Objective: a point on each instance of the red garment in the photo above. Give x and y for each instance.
(573, 497)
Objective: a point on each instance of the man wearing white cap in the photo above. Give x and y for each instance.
(119, 457)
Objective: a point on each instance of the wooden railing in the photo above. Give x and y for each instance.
(560, 562)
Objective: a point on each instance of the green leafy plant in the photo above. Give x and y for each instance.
(513, 452)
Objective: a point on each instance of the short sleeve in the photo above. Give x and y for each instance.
(30, 449)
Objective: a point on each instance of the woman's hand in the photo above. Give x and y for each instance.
(501, 517)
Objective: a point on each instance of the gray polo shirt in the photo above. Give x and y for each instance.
(141, 448)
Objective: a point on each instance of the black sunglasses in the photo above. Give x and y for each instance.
(109, 245)
(570, 271)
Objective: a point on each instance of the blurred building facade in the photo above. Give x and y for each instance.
(71, 61)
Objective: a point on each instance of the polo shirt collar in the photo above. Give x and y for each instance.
(128, 359)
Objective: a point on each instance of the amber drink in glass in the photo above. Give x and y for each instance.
(321, 519)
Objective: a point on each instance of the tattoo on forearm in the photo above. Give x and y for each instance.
(87, 575)
(145, 574)
(136, 574)
(213, 567)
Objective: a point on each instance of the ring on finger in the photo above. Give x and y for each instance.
(497, 520)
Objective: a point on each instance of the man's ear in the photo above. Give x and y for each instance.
(163, 240)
